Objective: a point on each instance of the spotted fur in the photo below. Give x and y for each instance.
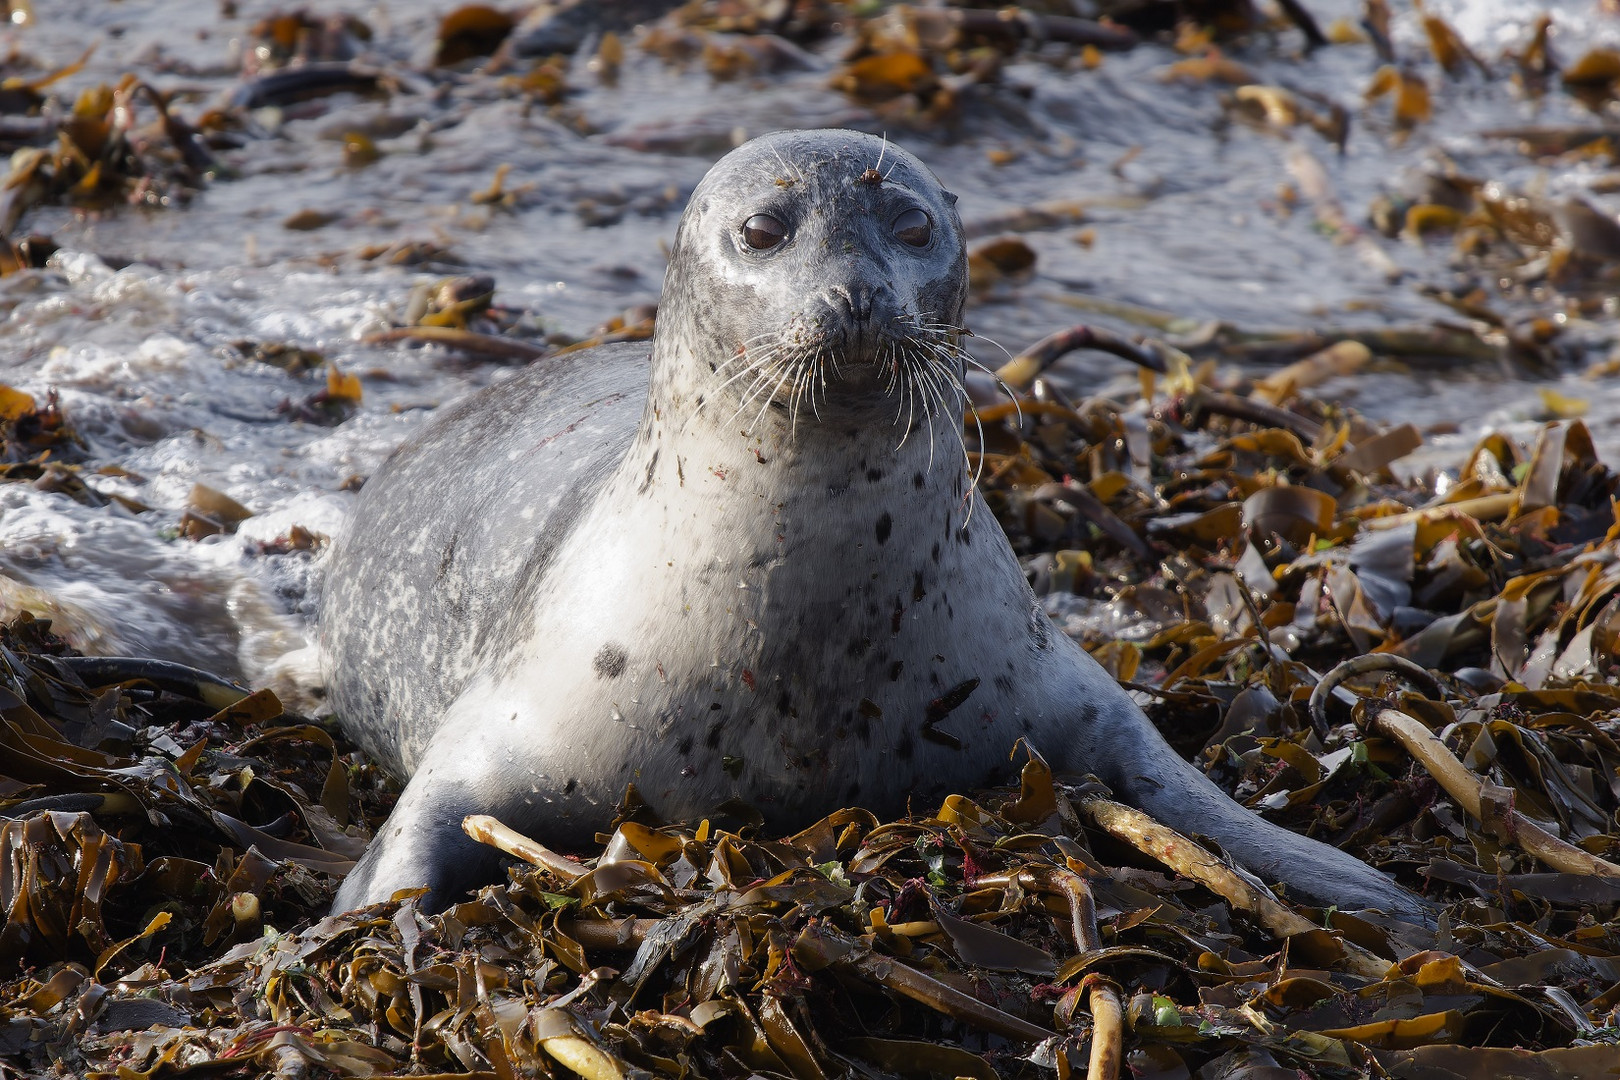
(718, 576)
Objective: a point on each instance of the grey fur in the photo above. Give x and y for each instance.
(720, 578)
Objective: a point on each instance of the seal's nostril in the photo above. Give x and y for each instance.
(857, 301)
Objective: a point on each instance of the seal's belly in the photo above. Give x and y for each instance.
(801, 669)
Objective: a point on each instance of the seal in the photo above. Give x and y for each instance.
(754, 568)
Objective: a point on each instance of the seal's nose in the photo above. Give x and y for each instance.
(858, 301)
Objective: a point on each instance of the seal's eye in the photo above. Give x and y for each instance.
(763, 232)
(914, 228)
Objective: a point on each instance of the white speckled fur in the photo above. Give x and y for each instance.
(572, 582)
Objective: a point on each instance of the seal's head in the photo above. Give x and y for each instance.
(816, 269)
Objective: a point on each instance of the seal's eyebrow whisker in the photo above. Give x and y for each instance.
(790, 169)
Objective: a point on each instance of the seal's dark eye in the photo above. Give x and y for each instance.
(914, 228)
(763, 232)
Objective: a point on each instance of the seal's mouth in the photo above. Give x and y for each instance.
(905, 370)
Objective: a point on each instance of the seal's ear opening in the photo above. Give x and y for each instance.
(950, 196)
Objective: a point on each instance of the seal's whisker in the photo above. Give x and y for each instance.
(795, 369)
(926, 374)
(906, 376)
(890, 364)
(762, 377)
(747, 399)
(955, 348)
(913, 394)
(821, 370)
(756, 360)
(790, 370)
(948, 374)
(751, 350)
(939, 371)
(974, 474)
(742, 373)
(792, 404)
(759, 371)
(804, 384)
(890, 361)
(782, 372)
(763, 364)
(927, 380)
(914, 390)
(938, 399)
(769, 398)
(905, 368)
(747, 352)
(1012, 395)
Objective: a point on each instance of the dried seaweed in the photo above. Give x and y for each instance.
(170, 845)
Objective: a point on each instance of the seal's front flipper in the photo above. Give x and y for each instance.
(1311, 870)
(1127, 752)
(421, 844)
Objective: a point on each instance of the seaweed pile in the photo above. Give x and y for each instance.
(1242, 555)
